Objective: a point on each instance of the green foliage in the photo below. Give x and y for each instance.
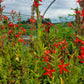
(50, 58)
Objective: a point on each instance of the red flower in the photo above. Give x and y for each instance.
(24, 30)
(55, 45)
(49, 23)
(69, 24)
(82, 61)
(41, 16)
(47, 52)
(82, 48)
(10, 25)
(1, 9)
(24, 43)
(54, 51)
(46, 59)
(40, 0)
(82, 42)
(48, 71)
(1, 36)
(10, 32)
(64, 47)
(0, 41)
(16, 25)
(82, 13)
(79, 1)
(75, 35)
(81, 57)
(2, 27)
(77, 12)
(17, 36)
(36, 4)
(5, 17)
(69, 57)
(63, 67)
(30, 35)
(32, 20)
(63, 42)
(76, 40)
(20, 40)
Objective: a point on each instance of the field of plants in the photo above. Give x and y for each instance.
(55, 56)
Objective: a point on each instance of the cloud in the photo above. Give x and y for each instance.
(17, 5)
(59, 7)
(56, 13)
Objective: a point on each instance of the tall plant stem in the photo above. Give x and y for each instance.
(38, 21)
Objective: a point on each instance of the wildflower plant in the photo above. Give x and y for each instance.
(48, 59)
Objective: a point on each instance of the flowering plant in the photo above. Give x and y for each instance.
(53, 57)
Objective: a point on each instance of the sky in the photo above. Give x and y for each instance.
(59, 8)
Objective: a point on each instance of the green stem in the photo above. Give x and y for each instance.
(38, 22)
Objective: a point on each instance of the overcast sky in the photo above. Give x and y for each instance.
(59, 8)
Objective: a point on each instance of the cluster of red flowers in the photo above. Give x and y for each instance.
(81, 13)
(13, 13)
(32, 20)
(47, 58)
(79, 1)
(48, 25)
(4, 17)
(77, 12)
(10, 32)
(81, 57)
(36, 4)
(1, 9)
(78, 40)
(62, 67)
(62, 43)
(11, 28)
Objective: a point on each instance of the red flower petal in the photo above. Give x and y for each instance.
(52, 70)
(66, 65)
(61, 70)
(45, 73)
(50, 75)
(45, 68)
(65, 69)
